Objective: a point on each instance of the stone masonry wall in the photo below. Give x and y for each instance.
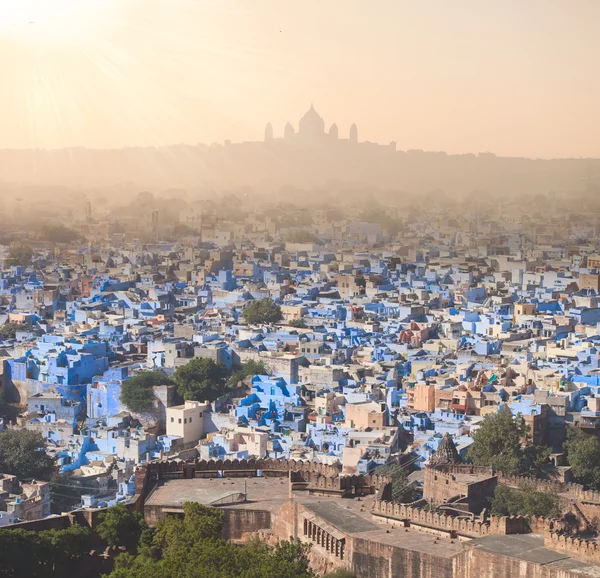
(576, 547)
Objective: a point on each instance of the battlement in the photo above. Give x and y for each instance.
(315, 478)
(541, 525)
(574, 491)
(583, 549)
(475, 484)
(453, 525)
(468, 469)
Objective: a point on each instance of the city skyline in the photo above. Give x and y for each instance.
(508, 78)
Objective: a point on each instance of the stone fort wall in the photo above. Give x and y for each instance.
(576, 547)
(442, 484)
(452, 525)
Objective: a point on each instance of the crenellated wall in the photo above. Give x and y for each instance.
(541, 525)
(318, 479)
(476, 484)
(576, 547)
(452, 525)
(574, 491)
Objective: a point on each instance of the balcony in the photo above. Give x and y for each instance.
(457, 406)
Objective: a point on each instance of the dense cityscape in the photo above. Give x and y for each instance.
(299, 289)
(380, 381)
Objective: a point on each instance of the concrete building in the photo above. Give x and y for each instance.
(187, 421)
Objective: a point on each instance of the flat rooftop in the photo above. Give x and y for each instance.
(530, 547)
(353, 517)
(262, 493)
(466, 478)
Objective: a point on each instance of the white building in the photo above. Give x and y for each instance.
(187, 420)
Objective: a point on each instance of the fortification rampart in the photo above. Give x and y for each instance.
(446, 482)
(320, 479)
(575, 492)
(453, 525)
(576, 547)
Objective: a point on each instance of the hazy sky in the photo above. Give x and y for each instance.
(515, 77)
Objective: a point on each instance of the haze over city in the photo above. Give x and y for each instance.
(514, 78)
(299, 289)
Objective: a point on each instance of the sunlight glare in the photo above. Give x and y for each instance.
(52, 21)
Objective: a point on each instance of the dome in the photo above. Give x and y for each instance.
(311, 123)
(333, 131)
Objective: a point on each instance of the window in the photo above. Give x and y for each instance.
(190, 420)
(185, 420)
(179, 420)
(172, 419)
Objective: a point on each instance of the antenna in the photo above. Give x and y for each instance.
(155, 225)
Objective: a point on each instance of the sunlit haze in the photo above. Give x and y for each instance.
(511, 77)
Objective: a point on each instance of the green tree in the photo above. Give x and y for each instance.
(201, 379)
(524, 501)
(583, 452)
(192, 546)
(9, 330)
(19, 254)
(59, 234)
(249, 368)
(497, 443)
(298, 323)
(535, 459)
(66, 547)
(137, 393)
(403, 491)
(302, 236)
(21, 553)
(120, 526)
(65, 492)
(23, 454)
(262, 311)
(4, 407)
(45, 553)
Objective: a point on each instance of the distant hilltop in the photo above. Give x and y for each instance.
(310, 157)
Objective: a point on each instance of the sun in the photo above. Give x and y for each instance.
(53, 21)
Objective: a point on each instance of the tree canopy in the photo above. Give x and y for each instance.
(302, 236)
(23, 454)
(137, 393)
(298, 323)
(262, 311)
(500, 443)
(192, 546)
(19, 254)
(249, 368)
(120, 526)
(59, 234)
(403, 491)
(524, 501)
(497, 443)
(47, 553)
(201, 379)
(583, 452)
(9, 330)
